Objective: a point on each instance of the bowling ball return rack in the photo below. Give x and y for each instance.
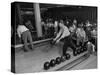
(73, 63)
(68, 64)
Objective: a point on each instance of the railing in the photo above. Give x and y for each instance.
(35, 42)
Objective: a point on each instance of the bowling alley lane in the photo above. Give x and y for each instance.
(32, 61)
(90, 63)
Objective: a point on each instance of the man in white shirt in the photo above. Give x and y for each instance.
(25, 35)
(65, 35)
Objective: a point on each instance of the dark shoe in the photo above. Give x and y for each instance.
(32, 49)
(25, 50)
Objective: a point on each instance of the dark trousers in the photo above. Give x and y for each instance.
(26, 36)
(94, 41)
(68, 43)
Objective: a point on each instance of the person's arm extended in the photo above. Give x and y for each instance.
(73, 35)
(58, 35)
(19, 35)
(62, 36)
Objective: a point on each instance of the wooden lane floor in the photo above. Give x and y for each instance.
(89, 63)
(20, 49)
(33, 61)
(74, 63)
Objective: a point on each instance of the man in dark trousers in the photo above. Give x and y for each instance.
(25, 35)
(65, 35)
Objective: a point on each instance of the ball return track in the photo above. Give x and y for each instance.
(68, 64)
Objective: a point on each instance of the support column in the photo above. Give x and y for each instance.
(38, 19)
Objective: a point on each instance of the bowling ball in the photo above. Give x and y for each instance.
(75, 53)
(78, 51)
(46, 65)
(58, 60)
(63, 58)
(84, 48)
(52, 62)
(67, 56)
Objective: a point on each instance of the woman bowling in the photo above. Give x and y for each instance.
(65, 35)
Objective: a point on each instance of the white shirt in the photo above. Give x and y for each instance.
(94, 33)
(55, 24)
(65, 31)
(80, 33)
(88, 24)
(72, 28)
(42, 23)
(21, 29)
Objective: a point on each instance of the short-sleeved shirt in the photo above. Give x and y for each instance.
(21, 29)
(65, 31)
(55, 24)
(94, 33)
(80, 33)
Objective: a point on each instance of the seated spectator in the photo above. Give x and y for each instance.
(81, 35)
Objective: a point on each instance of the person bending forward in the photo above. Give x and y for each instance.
(65, 35)
(25, 35)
